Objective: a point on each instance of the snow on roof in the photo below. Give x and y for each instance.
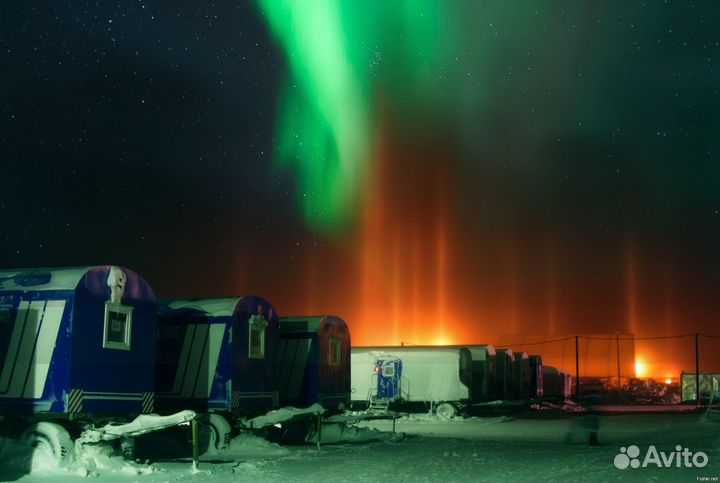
(212, 306)
(313, 323)
(34, 279)
(507, 352)
(482, 352)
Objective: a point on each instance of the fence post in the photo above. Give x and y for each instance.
(697, 369)
(617, 350)
(577, 368)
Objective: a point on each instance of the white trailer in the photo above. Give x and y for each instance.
(436, 378)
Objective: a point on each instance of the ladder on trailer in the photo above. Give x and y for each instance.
(374, 402)
(378, 404)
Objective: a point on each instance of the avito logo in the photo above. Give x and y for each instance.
(681, 457)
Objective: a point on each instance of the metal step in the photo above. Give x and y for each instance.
(378, 404)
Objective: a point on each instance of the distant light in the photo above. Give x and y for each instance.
(668, 381)
(639, 368)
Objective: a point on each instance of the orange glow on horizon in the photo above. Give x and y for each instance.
(442, 341)
(420, 267)
(640, 368)
(404, 251)
(631, 298)
(647, 367)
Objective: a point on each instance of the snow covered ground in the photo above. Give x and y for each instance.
(527, 447)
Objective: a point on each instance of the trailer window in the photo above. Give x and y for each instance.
(334, 352)
(256, 337)
(117, 330)
(388, 369)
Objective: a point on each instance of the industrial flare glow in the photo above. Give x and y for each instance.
(442, 341)
(640, 369)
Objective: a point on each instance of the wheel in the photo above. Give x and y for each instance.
(127, 446)
(446, 411)
(219, 431)
(50, 443)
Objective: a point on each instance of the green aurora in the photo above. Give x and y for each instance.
(338, 53)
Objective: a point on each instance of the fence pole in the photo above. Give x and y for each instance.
(577, 368)
(617, 349)
(697, 369)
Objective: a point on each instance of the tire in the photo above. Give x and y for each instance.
(49, 440)
(446, 411)
(127, 447)
(219, 431)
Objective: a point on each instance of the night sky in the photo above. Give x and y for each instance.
(430, 171)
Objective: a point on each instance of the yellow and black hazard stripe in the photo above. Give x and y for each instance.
(75, 401)
(148, 402)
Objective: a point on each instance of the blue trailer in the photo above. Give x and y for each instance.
(389, 379)
(77, 351)
(314, 357)
(217, 355)
(76, 342)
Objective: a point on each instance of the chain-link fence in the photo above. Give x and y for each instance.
(622, 368)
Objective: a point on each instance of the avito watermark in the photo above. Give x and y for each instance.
(680, 458)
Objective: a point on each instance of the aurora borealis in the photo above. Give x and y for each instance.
(325, 124)
(513, 140)
(428, 171)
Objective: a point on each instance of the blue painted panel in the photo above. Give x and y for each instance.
(221, 391)
(239, 383)
(325, 372)
(389, 377)
(51, 342)
(259, 376)
(193, 371)
(96, 369)
(189, 376)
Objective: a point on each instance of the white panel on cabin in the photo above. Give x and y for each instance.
(44, 349)
(428, 374)
(362, 368)
(18, 329)
(184, 355)
(196, 353)
(209, 361)
(25, 350)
